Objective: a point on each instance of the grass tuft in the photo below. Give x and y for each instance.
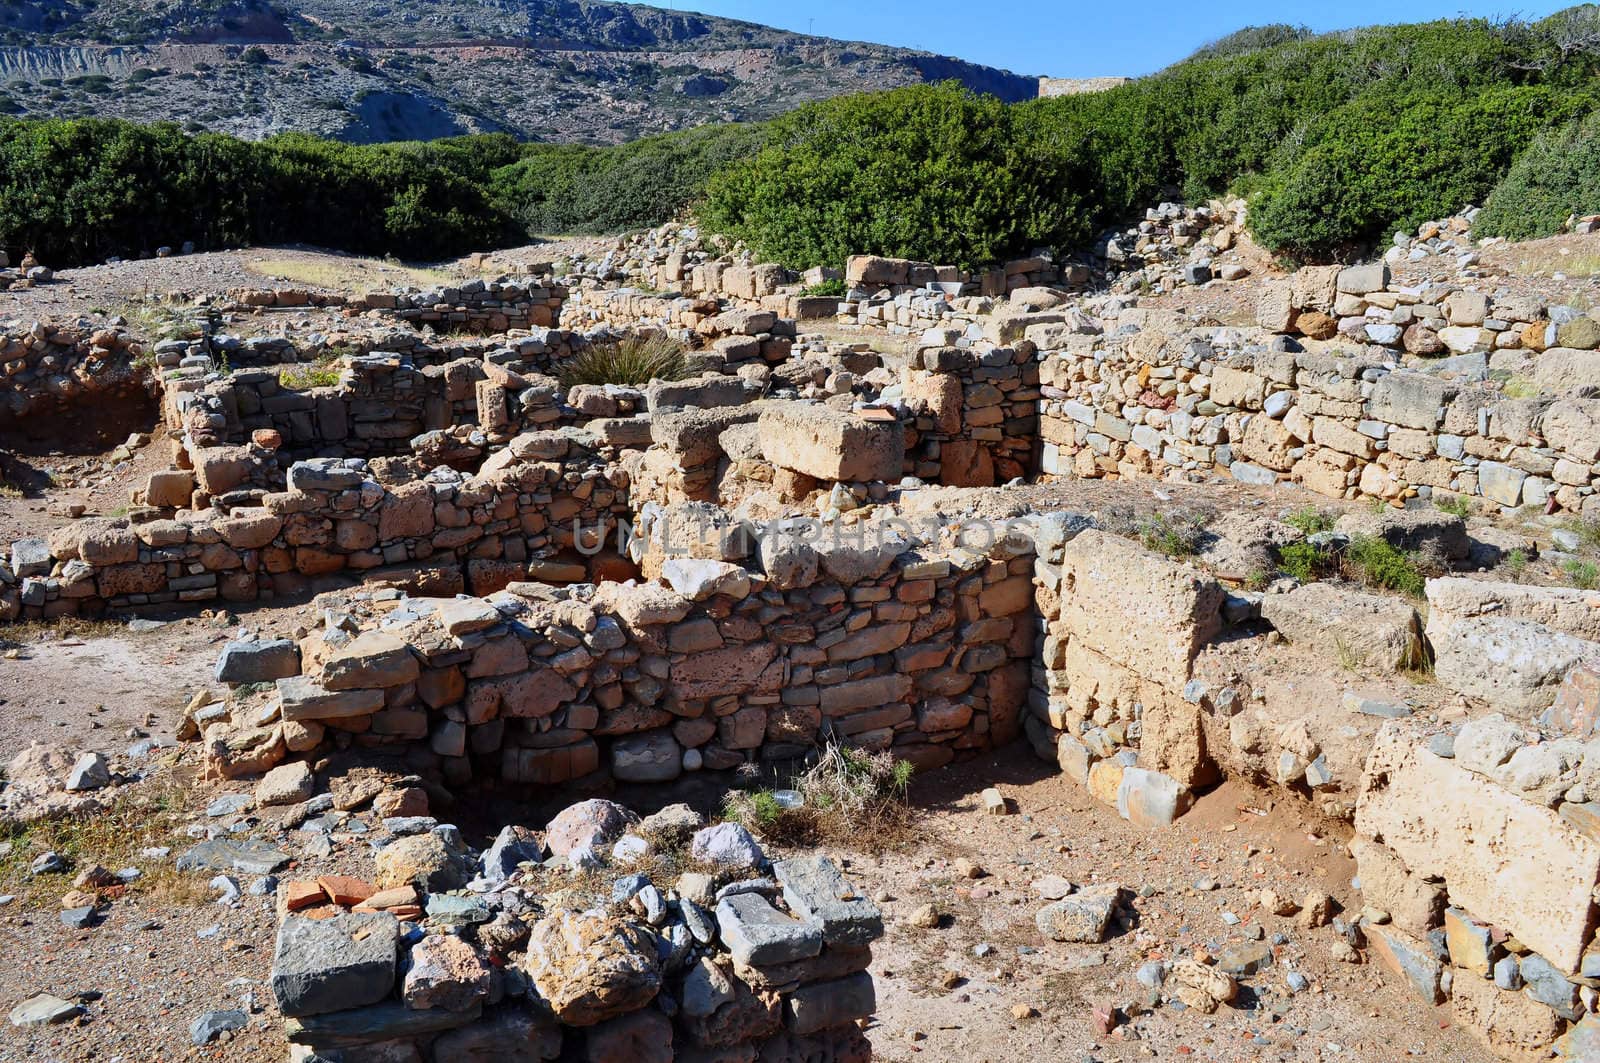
(852, 797)
(633, 362)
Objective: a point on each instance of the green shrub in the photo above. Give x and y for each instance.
(1305, 562)
(1455, 505)
(1585, 575)
(1174, 537)
(633, 362)
(1557, 176)
(1385, 163)
(928, 172)
(834, 288)
(1309, 520)
(1378, 564)
(570, 188)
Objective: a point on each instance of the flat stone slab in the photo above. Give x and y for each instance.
(758, 934)
(43, 1010)
(249, 856)
(306, 699)
(390, 1020)
(814, 888)
(329, 965)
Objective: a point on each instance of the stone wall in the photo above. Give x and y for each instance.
(1152, 402)
(50, 369)
(514, 520)
(475, 306)
(1487, 870)
(918, 650)
(975, 413)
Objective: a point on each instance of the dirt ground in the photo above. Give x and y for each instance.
(157, 960)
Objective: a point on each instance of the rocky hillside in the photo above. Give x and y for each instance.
(364, 71)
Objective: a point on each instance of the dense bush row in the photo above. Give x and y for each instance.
(79, 191)
(570, 188)
(1336, 138)
(1558, 176)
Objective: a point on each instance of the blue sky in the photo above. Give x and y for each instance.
(1066, 38)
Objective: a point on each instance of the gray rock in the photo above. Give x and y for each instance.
(654, 756)
(512, 846)
(759, 935)
(89, 773)
(44, 1010)
(824, 1005)
(330, 965)
(814, 889)
(727, 845)
(1508, 973)
(248, 856)
(229, 805)
(78, 918)
(1083, 917)
(30, 557)
(259, 661)
(213, 1024)
(1549, 986)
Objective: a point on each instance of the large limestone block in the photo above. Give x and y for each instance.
(831, 444)
(1516, 666)
(1513, 1025)
(1565, 609)
(1507, 860)
(1341, 624)
(1143, 611)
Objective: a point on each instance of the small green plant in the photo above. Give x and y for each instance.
(834, 289)
(1516, 563)
(1257, 580)
(633, 362)
(1179, 537)
(1309, 520)
(847, 796)
(1305, 561)
(1378, 564)
(1455, 505)
(1584, 575)
(314, 375)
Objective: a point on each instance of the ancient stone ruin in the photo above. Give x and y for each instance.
(513, 586)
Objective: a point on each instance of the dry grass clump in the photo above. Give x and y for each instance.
(633, 362)
(850, 797)
(112, 838)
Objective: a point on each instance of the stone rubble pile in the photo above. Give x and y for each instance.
(28, 273)
(52, 369)
(1174, 245)
(548, 945)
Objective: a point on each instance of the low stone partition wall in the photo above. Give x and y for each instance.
(1483, 849)
(1479, 331)
(56, 369)
(880, 644)
(975, 413)
(446, 530)
(1344, 424)
(737, 958)
(473, 306)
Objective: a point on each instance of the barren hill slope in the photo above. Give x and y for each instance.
(359, 70)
